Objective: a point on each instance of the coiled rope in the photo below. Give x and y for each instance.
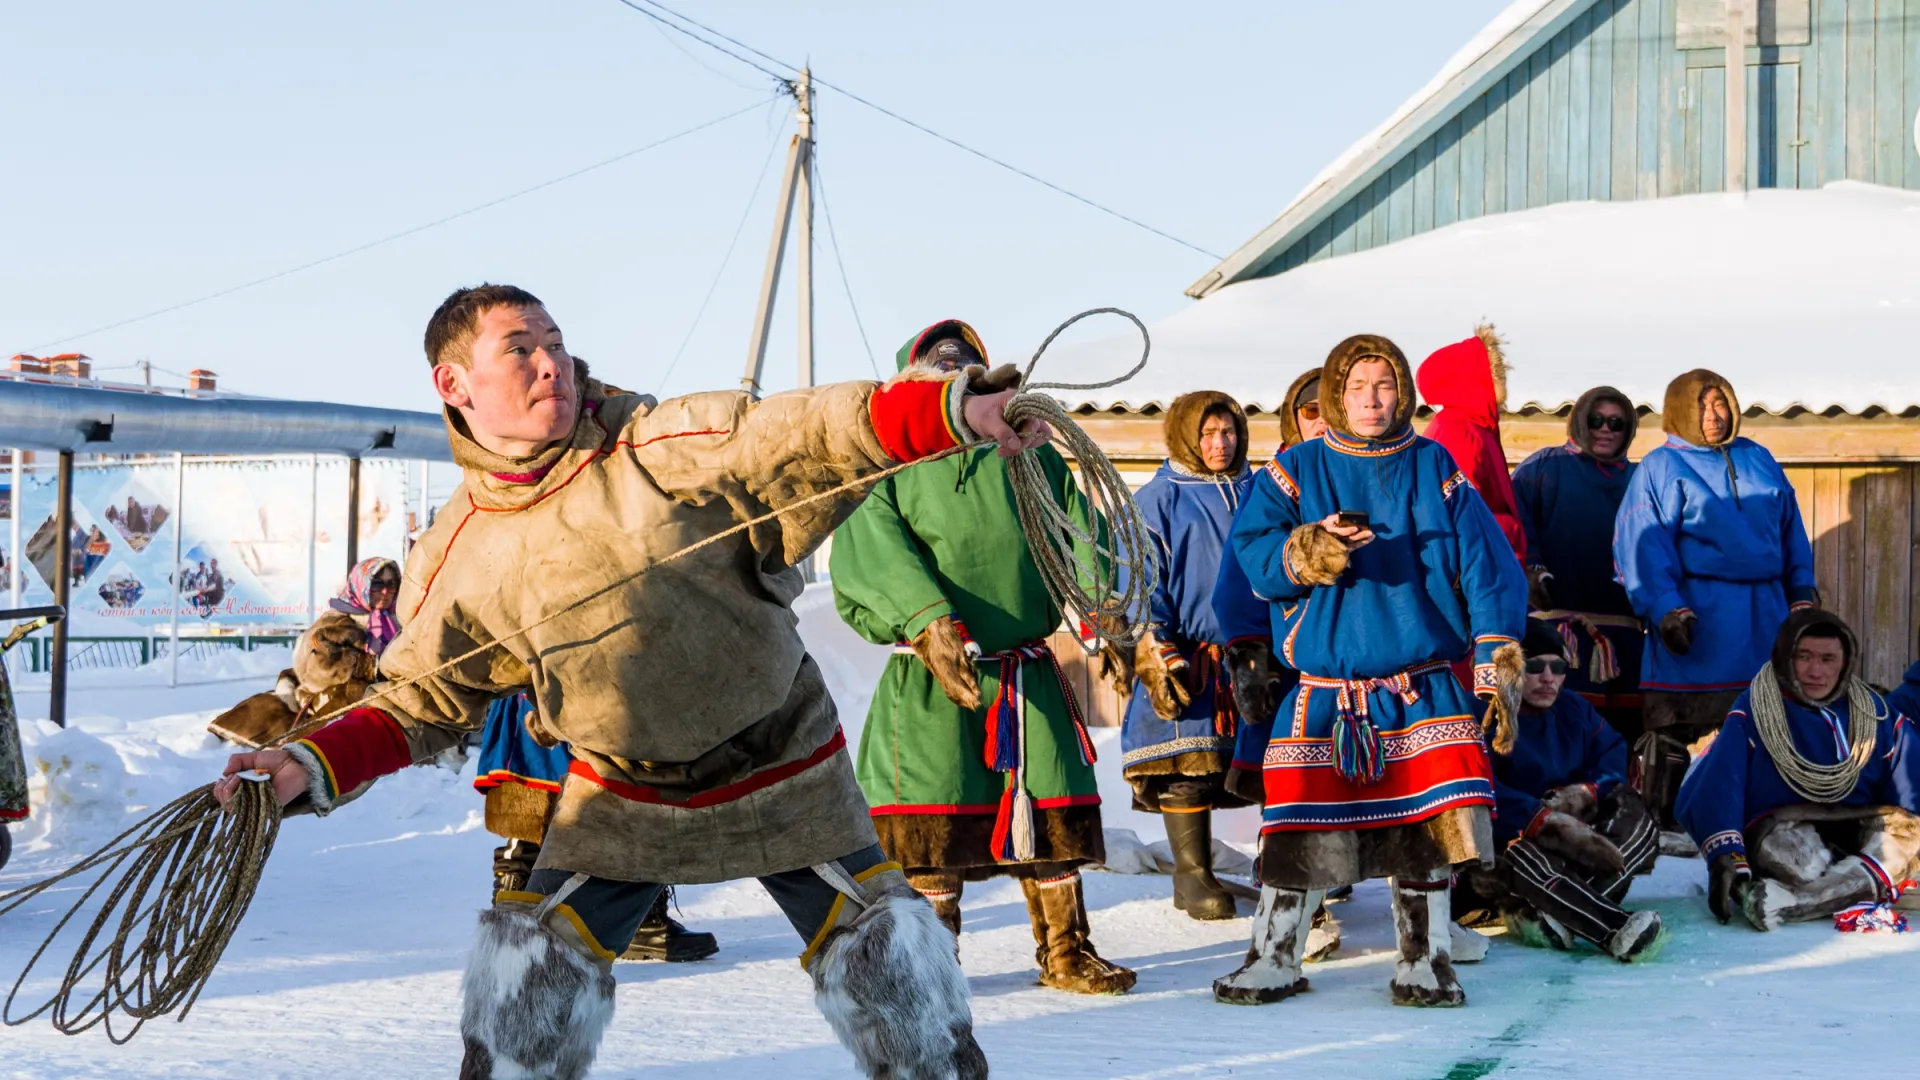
(184, 876)
(1815, 783)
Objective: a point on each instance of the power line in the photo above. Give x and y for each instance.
(752, 200)
(845, 285)
(883, 110)
(390, 238)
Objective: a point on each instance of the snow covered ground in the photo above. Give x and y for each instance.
(349, 962)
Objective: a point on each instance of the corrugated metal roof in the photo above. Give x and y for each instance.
(1804, 299)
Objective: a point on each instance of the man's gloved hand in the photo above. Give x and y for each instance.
(944, 651)
(1676, 631)
(1539, 597)
(1162, 670)
(1256, 683)
(1727, 878)
(1574, 800)
(1567, 835)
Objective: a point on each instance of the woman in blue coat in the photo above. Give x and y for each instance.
(1711, 549)
(1178, 735)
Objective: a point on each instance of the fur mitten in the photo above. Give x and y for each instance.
(1256, 686)
(1579, 801)
(1160, 669)
(944, 651)
(1539, 596)
(1116, 666)
(1564, 834)
(983, 380)
(1502, 723)
(1676, 631)
(1315, 555)
(1728, 879)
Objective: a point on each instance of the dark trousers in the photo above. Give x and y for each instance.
(612, 910)
(1587, 902)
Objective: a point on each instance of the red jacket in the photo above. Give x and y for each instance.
(1460, 381)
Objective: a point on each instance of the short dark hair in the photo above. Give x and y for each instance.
(456, 321)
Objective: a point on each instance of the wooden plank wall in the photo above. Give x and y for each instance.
(1864, 521)
(1611, 108)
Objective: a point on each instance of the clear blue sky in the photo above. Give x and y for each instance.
(157, 153)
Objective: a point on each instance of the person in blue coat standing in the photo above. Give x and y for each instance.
(1711, 549)
(1815, 778)
(1392, 567)
(1567, 498)
(1178, 734)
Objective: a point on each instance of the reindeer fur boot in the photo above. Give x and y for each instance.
(942, 888)
(1062, 939)
(1323, 940)
(890, 986)
(1272, 970)
(534, 1005)
(1422, 912)
(1770, 902)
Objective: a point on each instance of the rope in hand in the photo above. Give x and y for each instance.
(201, 864)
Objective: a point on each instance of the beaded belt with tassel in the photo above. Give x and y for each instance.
(1357, 754)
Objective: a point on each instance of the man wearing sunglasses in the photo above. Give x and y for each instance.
(1567, 497)
(1572, 834)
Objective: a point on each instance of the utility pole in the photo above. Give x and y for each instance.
(1736, 120)
(146, 371)
(797, 179)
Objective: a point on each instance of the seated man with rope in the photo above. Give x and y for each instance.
(705, 745)
(1815, 777)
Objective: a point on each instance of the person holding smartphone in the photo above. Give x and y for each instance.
(1381, 565)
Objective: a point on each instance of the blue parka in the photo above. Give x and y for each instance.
(1568, 743)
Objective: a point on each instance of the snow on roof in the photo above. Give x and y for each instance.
(1800, 298)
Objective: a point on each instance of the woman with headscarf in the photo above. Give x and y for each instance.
(1178, 734)
(1713, 554)
(1567, 497)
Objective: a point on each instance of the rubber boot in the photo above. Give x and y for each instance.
(513, 864)
(1272, 969)
(1422, 911)
(1195, 890)
(661, 937)
(1768, 903)
(1061, 937)
(942, 888)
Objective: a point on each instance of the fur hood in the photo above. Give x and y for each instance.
(1681, 413)
(925, 339)
(1470, 376)
(1304, 389)
(1333, 376)
(1787, 641)
(1182, 427)
(1577, 430)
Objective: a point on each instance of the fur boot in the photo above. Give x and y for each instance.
(1272, 969)
(1536, 929)
(1640, 939)
(1323, 940)
(534, 1006)
(1317, 556)
(1195, 890)
(1061, 934)
(942, 888)
(1769, 902)
(1423, 975)
(890, 986)
(1467, 946)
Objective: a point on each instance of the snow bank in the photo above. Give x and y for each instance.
(1766, 288)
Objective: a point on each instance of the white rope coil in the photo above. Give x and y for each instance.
(1815, 783)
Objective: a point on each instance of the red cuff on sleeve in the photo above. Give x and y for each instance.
(361, 746)
(1533, 826)
(910, 419)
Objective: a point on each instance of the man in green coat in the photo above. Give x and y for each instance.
(975, 756)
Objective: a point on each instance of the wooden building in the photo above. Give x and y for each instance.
(1557, 178)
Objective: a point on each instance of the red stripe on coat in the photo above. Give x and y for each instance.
(725, 793)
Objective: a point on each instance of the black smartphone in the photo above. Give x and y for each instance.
(1355, 519)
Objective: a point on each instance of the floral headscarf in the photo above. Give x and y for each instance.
(357, 599)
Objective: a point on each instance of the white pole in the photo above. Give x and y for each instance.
(1736, 95)
(179, 531)
(313, 542)
(803, 254)
(13, 542)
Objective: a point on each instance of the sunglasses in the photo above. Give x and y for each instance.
(1309, 410)
(1544, 665)
(1596, 422)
